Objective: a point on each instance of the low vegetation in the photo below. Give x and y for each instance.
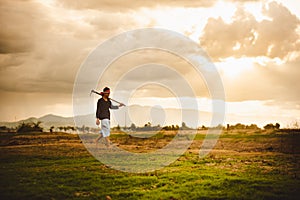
(243, 165)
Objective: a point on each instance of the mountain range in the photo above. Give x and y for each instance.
(47, 121)
(140, 115)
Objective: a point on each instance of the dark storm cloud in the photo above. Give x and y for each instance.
(11, 60)
(18, 21)
(245, 36)
(41, 52)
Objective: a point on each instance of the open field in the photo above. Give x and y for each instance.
(243, 165)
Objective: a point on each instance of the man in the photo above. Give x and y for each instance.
(103, 114)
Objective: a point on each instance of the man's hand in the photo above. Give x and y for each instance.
(121, 104)
(97, 122)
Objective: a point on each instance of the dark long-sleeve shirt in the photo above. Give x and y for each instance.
(103, 109)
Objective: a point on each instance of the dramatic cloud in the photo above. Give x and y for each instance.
(15, 36)
(123, 5)
(275, 36)
(273, 82)
(43, 43)
(43, 46)
(156, 66)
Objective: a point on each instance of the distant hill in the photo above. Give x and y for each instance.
(47, 121)
(139, 114)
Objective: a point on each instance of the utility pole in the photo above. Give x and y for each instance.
(125, 118)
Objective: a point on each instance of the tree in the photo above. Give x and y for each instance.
(272, 126)
(36, 125)
(87, 129)
(269, 126)
(133, 127)
(184, 126)
(70, 128)
(3, 128)
(239, 126)
(252, 127)
(30, 127)
(277, 126)
(51, 129)
(220, 126)
(294, 125)
(147, 127)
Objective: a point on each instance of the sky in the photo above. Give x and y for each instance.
(255, 46)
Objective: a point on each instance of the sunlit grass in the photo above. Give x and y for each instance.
(240, 167)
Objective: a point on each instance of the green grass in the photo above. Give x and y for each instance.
(63, 169)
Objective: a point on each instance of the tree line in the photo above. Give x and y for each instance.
(36, 127)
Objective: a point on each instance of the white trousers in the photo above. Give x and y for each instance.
(105, 127)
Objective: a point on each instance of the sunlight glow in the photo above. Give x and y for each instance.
(67, 25)
(233, 67)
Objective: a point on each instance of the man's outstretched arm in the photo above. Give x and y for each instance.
(114, 107)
